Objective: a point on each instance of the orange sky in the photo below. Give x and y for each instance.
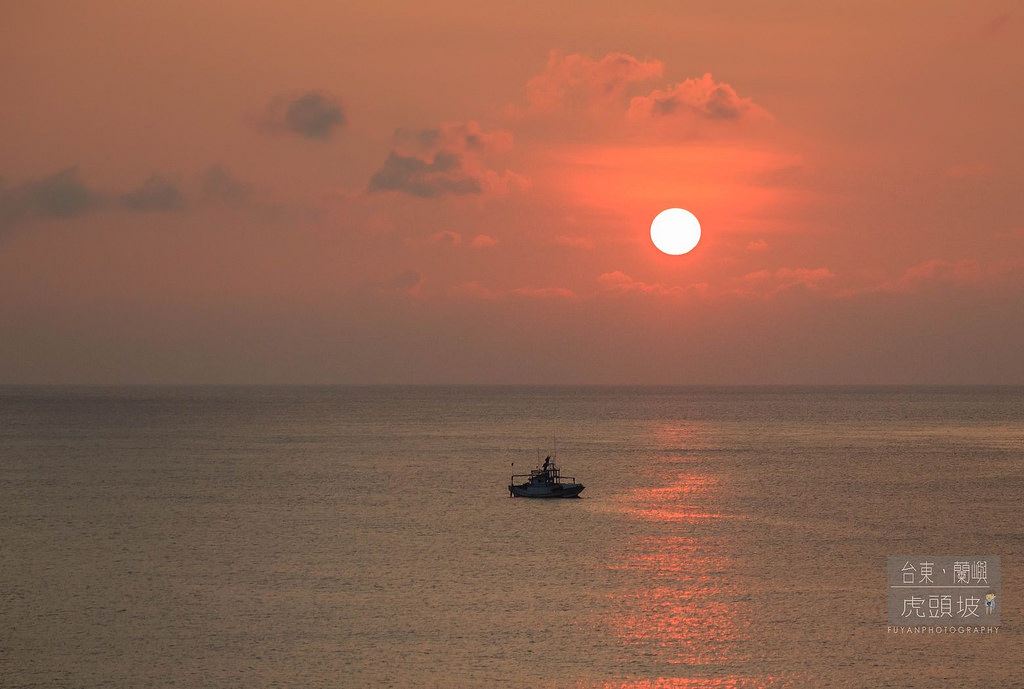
(392, 192)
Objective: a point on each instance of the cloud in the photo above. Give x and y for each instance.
(936, 271)
(60, 195)
(767, 283)
(938, 274)
(449, 159)
(483, 241)
(692, 106)
(443, 174)
(451, 238)
(312, 115)
(579, 98)
(574, 242)
(544, 292)
(477, 290)
(619, 282)
(757, 245)
(576, 82)
(762, 283)
(454, 137)
(218, 185)
(64, 195)
(446, 237)
(157, 194)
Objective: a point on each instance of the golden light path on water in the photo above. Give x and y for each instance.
(692, 614)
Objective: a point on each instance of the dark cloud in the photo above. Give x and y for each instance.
(682, 107)
(312, 115)
(723, 103)
(218, 185)
(720, 104)
(64, 195)
(444, 174)
(698, 97)
(453, 158)
(665, 106)
(60, 195)
(157, 194)
(454, 137)
(426, 138)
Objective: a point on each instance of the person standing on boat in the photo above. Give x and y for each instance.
(547, 462)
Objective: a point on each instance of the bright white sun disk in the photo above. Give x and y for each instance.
(675, 231)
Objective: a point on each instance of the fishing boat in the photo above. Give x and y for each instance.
(546, 482)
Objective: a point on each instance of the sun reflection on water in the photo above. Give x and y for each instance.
(685, 613)
(699, 683)
(686, 500)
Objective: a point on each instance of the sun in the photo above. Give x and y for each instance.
(675, 231)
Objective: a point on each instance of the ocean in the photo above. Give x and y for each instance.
(364, 537)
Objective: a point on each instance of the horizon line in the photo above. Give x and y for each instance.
(505, 385)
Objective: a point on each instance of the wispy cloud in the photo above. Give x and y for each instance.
(937, 271)
(769, 283)
(477, 290)
(483, 241)
(619, 282)
(574, 242)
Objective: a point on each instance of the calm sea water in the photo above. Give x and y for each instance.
(363, 537)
